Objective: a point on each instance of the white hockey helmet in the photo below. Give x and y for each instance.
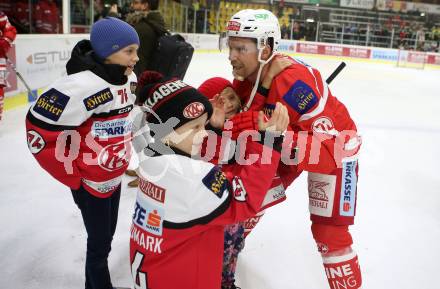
(260, 24)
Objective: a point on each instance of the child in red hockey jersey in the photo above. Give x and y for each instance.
(86, 115)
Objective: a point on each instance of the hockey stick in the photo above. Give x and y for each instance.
(335, 73)
(20, 76)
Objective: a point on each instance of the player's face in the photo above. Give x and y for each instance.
(231, 100)
(243, 55)
(127, 56)
(137, 5)
(189, 137)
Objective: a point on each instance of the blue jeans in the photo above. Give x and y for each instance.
(100, 216)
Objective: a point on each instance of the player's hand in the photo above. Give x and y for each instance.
(277, 65)
(278, 121)
(218, 116)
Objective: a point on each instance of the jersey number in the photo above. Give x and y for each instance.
(139, 277)
(123, 94)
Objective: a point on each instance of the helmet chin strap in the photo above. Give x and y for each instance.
(257, 81)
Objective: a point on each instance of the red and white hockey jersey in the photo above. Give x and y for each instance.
(181, 208)
(79, 130)
(324, 132)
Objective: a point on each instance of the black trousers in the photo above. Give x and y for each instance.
(100, 216)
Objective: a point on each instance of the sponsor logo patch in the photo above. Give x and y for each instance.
(193, 110)
(233, 26)
(261, 16)
(97, 99)
(300, 97)
(35, 141)
(215, 181)
(148, 217)
(51, 104)
(321, 194)
(111, 128)
(151, 190)
(348, 189)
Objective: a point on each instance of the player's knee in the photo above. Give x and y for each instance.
(331, 238)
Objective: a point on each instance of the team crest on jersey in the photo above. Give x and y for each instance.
(193, 110)
(324, 125)
(348, 189)
(97, 99)
(114, 156)
(238, 190)
(51, 104)
(300, 97)
(35, 142)
(215, 181)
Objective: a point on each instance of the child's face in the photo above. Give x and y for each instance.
(189, 137)
(127, 56)
(232, 103)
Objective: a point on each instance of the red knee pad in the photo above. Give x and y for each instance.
(330, 238)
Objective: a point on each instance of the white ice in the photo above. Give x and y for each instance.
(42, 240)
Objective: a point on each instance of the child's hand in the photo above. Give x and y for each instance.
(218, 116)
(278, 122)
(277, 65)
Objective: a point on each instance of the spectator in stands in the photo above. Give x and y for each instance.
(298, 31)
(47, 17)
(98, 8)
(420, 36)
(21, 14)
(114, 10)
(149, 24)
(285, 31)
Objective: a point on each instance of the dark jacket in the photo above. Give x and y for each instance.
(150, 26)
(83, 58)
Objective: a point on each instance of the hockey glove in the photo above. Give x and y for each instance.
(4, 47)
(243, 121)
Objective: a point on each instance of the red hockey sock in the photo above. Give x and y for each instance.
(343, 271)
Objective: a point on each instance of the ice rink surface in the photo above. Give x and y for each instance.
(397, 227)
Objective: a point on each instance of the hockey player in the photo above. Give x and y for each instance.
(47, 17)
(79, 131)
(325, 136)
(7, 36)
(184, 202)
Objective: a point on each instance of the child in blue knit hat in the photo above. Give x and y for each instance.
(79, 131)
